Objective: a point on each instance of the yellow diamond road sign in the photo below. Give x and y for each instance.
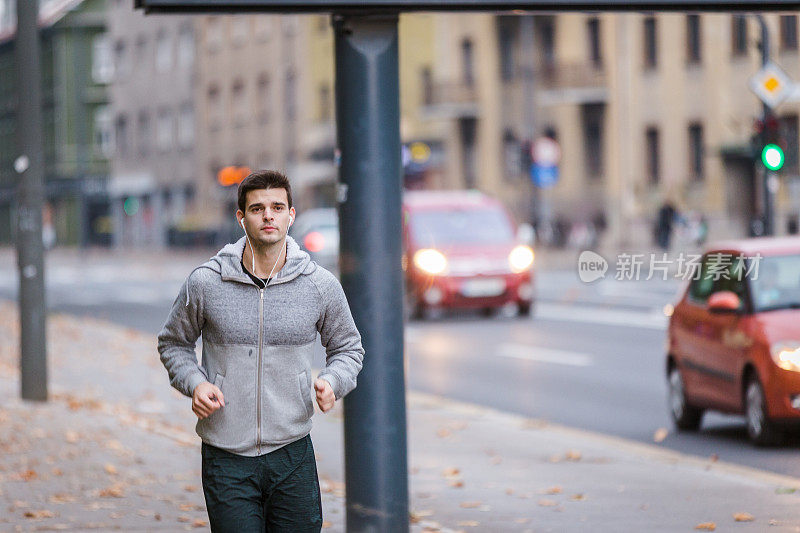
(772, 85)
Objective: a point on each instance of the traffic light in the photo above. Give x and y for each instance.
(770, 141)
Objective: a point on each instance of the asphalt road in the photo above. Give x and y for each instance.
(591, 358)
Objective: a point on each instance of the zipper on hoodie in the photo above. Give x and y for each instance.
(258, 392)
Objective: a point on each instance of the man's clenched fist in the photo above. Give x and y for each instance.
(206, 399)
(325, 396)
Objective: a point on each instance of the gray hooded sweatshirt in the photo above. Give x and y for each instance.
(258, 347)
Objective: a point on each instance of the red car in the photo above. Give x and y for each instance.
(461, 251)
(734, 344)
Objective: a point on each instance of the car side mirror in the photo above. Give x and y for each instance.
(724, 302)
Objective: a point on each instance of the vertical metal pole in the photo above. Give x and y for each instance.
(528, 46)
(30, 166)
(368, 134)
(768, 177)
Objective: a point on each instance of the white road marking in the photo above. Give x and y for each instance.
(538, 354)
(598, 315)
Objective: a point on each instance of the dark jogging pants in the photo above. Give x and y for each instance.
(276, 492)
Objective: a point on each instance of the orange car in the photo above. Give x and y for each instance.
(734, 338)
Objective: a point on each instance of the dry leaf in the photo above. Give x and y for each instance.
(57, 472)
(660, 435)
(573, 455)
(470, 505)
(71, 437)
(184, 518)
(199, 522)
(456, 483)
(509, 491)
(553, 490)
(707, 526)
(326, 524)
(186, 506)
(468, 523)
(114, 491)
(547, 503)
(743, 517)
(43, 513)
(522, 520)
(190, 488)
(157, 517)
(110, 469)
(443, 433)
(62, 497)
(578, 498)
(27, 475)
(451, 472)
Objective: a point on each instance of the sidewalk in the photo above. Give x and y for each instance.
(115, 449)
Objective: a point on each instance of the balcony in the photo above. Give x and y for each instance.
(571, 83)
(450, 100)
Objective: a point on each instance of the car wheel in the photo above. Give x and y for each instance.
(760, 428)
(524, 308)
(684, 416)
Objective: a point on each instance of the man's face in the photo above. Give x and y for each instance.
(266, 217)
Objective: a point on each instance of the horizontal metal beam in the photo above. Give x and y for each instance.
(396, 6)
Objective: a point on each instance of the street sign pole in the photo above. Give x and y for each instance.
(370, 184)
(30, 166)
(768, 178)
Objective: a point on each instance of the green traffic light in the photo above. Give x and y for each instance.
(772, 157)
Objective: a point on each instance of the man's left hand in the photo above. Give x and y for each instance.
(325, 396)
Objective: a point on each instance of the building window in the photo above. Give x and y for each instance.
(547, 31)
(263, 27)
(122, 61)
(506, 38)
(653, 162)
(214, 34)
(121, 135)
(102, 60)
(427, 85)
(103, 132)
(186, 46)
(263, 97)
(693, 53)
(144, 134)
(240, 27)
(738, 35)
(789, 137)
(214, 107)
(592, 116)
(467, 62)
(696, 166)
(325, 103)
(650, 43)
(163, 52)
(239, 101)
(593, 32)
(290, 98)
(186, 126)
(788, 32)
(164, 130)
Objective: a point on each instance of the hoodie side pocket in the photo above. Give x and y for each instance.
(305, 392)
(218, 379)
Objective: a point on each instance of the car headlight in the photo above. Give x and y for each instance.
(786, 355)
(520, 258)
(431, 261)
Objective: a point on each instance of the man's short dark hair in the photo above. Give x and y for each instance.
(263, 179)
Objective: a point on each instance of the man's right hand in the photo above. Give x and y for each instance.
(206, 399)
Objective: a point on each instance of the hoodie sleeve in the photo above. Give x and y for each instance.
(176, 342)
(340, 337)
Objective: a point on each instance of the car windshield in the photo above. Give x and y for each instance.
(775, 284)
(461, 226)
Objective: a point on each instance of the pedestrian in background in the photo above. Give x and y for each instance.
(259, 304)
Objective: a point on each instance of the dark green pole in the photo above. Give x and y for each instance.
(370, 184)
(30, 166)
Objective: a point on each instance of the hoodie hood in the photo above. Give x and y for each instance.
(228, 263)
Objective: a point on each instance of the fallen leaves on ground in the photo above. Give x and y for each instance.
(62, 497)
(578, 498)
(573, 455)
(468, 523)
(785, 490)
(456, 483)
(184, 518)
(199, 522)
(547, 503)
(743, 517)
(110, 469)
(660, 435)
(114, 491)
(451, 472)
(25, 475)
(326, 524)
(190, 488)
(707, 526)
(470, 505)
(42, 513)
(553, 490)
(443, 433)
